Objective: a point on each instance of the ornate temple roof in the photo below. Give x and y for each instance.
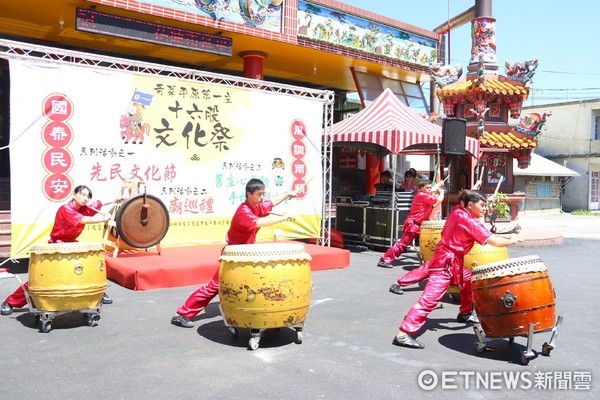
(507, 140)
(500, 86)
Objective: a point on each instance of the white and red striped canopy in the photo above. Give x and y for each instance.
(393, 125)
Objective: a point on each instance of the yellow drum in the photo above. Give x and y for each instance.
(430, 235)
(265, 285)
(480, 255)
(66, 276)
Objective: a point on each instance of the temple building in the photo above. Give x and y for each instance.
(486, 100)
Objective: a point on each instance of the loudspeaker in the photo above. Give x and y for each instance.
(454, 136)
(350, 221)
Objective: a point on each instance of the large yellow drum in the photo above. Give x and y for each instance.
(67, 276)
(265, 285)
(480, 255)
(430, 235)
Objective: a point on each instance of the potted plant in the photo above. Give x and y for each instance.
(498, 210)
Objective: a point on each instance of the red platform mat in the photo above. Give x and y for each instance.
(193, 265)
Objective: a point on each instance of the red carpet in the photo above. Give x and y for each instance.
(193, 265)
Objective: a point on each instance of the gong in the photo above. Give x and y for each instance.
(142, 221)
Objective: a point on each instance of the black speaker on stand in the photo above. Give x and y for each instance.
(454, 136)
(454, 143)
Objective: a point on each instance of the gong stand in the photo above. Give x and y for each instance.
(140, 222)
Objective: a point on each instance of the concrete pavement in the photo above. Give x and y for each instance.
(135, 353)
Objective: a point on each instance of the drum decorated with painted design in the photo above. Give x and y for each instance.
(511, 294)
(265, 285)
(66, 276)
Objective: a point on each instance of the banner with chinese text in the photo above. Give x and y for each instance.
(193, 145)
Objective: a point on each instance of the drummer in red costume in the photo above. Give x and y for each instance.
(250, 216)
(462, 229)
(420, 210)
(69, 222)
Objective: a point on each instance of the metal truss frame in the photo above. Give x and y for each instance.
(10, 49)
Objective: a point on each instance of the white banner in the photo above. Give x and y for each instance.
(193, 145)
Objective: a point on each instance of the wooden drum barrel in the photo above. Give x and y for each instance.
(67, 276)
(511, 294)
(265, 285)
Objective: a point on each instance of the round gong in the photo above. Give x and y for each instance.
(142, 221)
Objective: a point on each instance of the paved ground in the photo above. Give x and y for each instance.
(134, 353)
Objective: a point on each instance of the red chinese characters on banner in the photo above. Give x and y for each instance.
(57, 108)
(57, 160)
(57, 187)
(57, 135)
(299, 169)
(298, 150)
(298, 129)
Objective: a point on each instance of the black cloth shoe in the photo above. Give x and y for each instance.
(470, 318)
(407, 341)
(384, 264)
(182, 321)
(6, 309)
(396, 289)
(106, 299)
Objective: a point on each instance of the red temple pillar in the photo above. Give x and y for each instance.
(373, 171)
(253, 63)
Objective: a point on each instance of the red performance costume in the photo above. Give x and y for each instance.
(243, 230)
(420, 210)
(460, 233)
(67, 228)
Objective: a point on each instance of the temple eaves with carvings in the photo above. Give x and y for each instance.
(306, 48)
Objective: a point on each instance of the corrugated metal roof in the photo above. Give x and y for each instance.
(541, 166)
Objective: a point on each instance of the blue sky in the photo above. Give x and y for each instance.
(563, 35)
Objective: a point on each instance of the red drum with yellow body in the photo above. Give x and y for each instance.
(511, 294)
(265, 285)
(66, 276)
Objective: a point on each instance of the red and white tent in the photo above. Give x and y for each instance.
(389, 123)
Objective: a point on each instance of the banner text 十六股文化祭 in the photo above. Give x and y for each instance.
(193, 145)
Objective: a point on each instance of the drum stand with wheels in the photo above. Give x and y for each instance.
(528, 353)
(46, 317)
(256, 334)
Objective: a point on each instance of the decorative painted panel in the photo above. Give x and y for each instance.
(323, 24)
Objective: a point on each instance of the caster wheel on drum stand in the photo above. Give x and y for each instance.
(546, 349)
(253, 343)
(511, 340)
(233, 331)
(298, 335)
(255, 339)
(92, 319)
(524, 359)
(46, 326)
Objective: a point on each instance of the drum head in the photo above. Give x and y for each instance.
(142, 223)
